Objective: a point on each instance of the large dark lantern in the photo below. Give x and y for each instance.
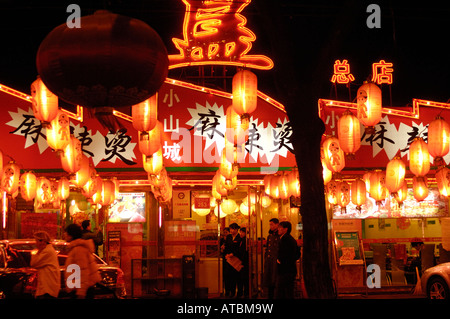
(111, 61)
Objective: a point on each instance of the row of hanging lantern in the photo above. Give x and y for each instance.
(68, 148)
(145, 121)
(283, 185)
(335, 150)
(244, 102)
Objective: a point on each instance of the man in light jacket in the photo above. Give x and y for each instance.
(45, 260)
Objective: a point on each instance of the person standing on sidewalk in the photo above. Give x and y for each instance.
(288, 253)
(270, 258)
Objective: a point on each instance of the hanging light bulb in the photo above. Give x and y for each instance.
(228, 206)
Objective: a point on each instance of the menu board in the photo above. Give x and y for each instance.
(348, 250)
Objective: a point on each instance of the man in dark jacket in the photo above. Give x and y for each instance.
(270, 258)
(232, 244)
(288, 253)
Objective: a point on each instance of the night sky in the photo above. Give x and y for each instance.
(412, 36)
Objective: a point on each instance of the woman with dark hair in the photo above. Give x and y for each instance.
(81, 269)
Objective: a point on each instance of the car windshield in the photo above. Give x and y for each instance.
(21, 254)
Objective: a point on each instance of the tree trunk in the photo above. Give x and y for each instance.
(296, 86)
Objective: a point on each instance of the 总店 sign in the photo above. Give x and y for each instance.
(393, 134)
(194, 123)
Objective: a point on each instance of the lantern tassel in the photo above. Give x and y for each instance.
(107, 119)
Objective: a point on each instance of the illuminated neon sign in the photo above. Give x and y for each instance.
(342, 73)
(214, 33)
(382, 72)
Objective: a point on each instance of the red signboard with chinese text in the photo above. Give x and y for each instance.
(194, 125)
(393, 134)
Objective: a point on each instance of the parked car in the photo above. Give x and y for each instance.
(19, 280)
(436, 281)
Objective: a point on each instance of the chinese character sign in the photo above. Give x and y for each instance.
(382, 72)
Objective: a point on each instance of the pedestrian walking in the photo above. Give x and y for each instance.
(270, 258)
(81, 255)
(288, 253)
(45, 260)
(96, 236)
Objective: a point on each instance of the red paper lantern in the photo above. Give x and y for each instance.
(245, 92)
(349, 133)
(28, 184)
(378, 190)
(81, 177)
(294, 182)
(343, 194)
(58, 132)
(369, 106)
(150, 142)
(63, 188)
(11, 178)
(419, 157)
(237, 127)
(111, 61)
(438, 139)
(358, 193)
(44, 102)
(153, 165)
(43, 191)
(108, 192)
(72, 156)
(145, 114)
(443, 181)
(333, 154)
(395, 174)
(420, 188)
